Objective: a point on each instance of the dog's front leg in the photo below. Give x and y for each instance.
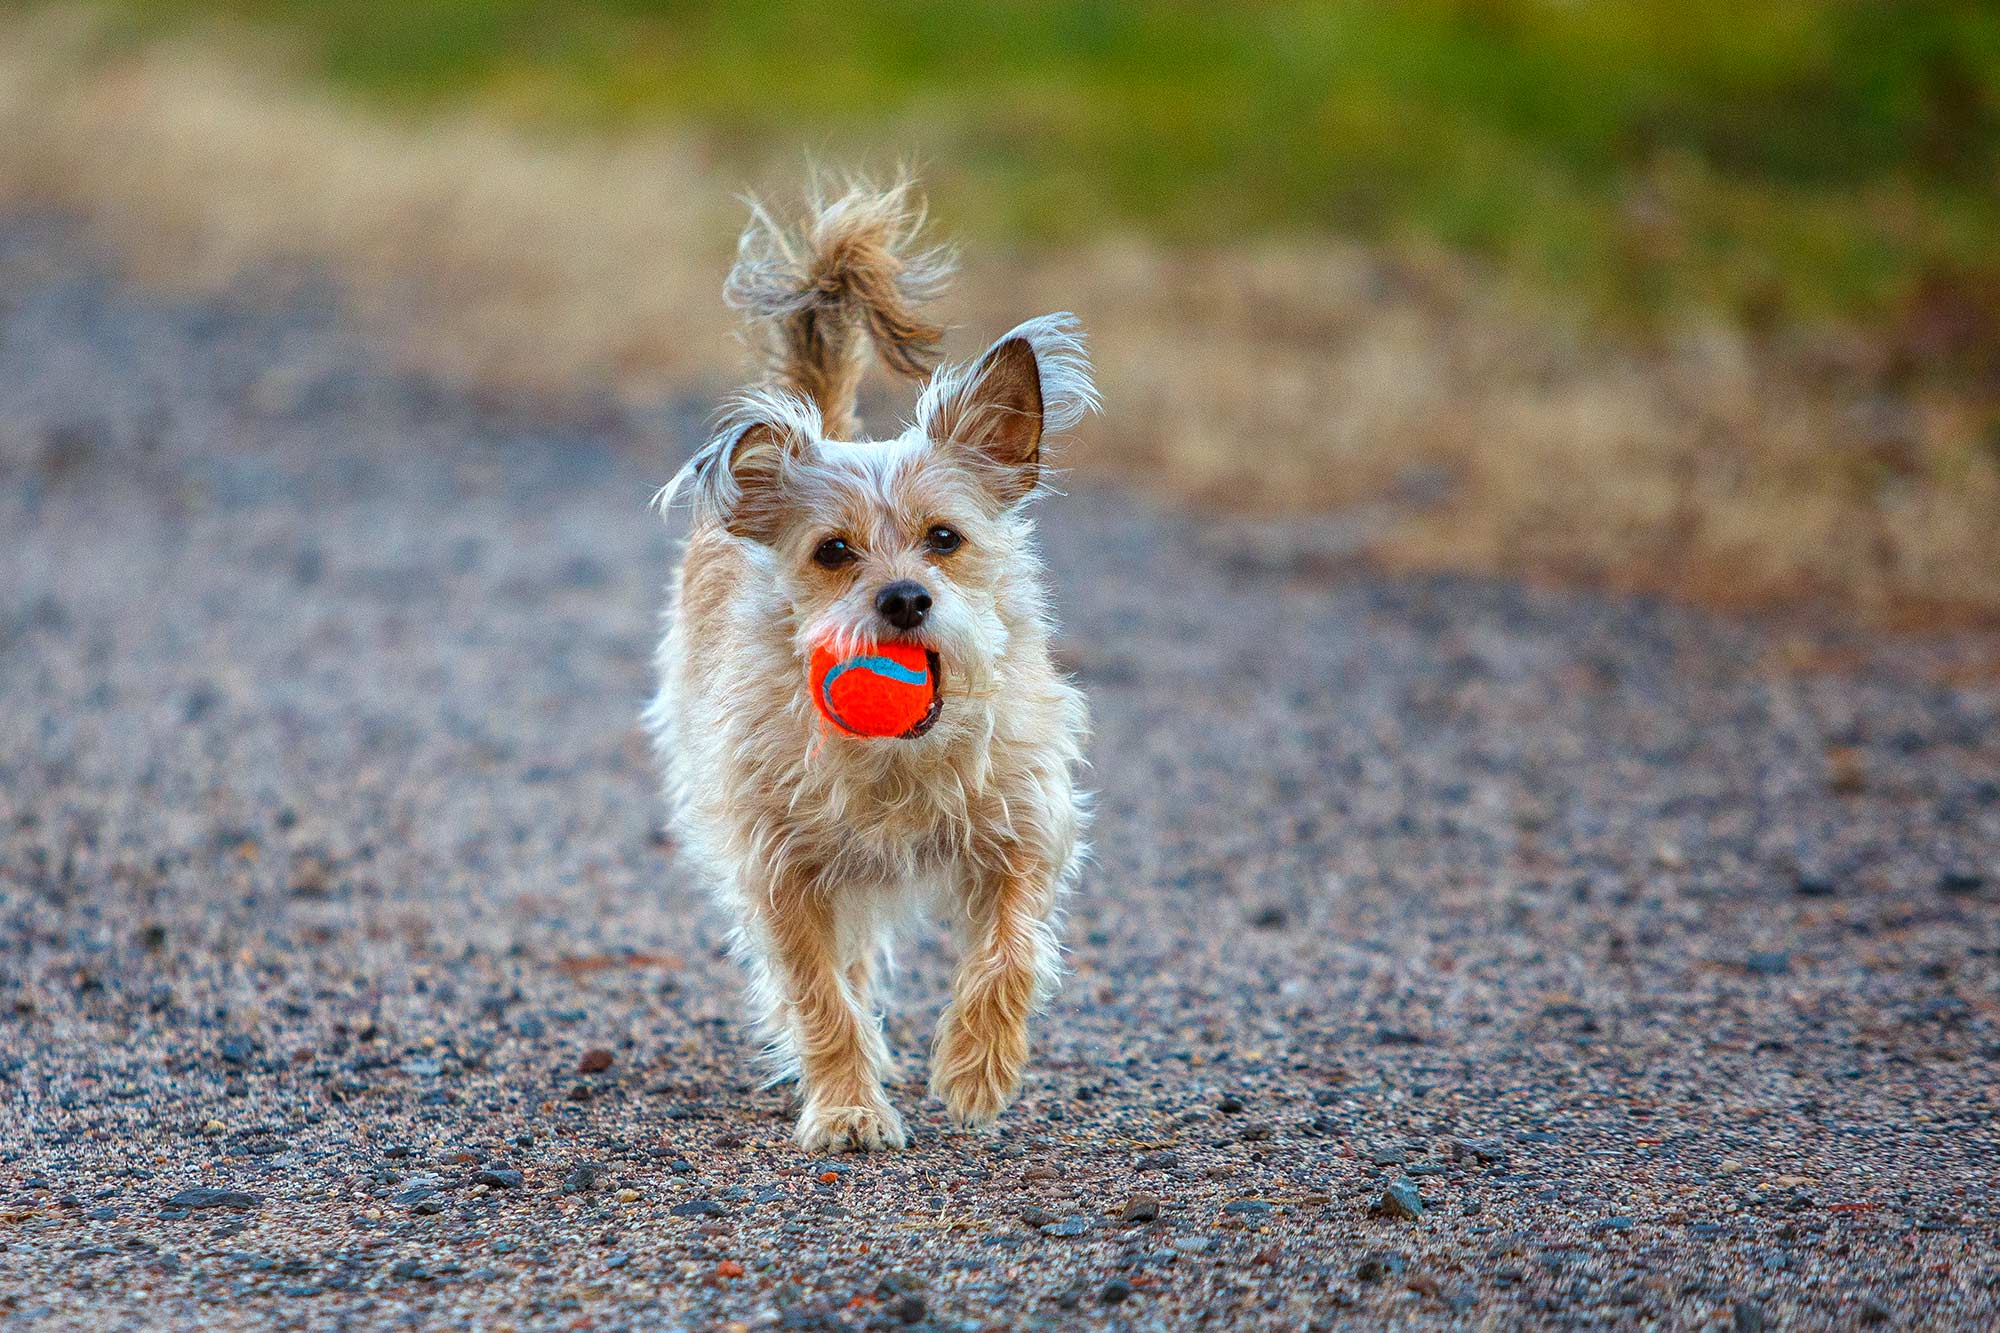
(1009, 964)
(839, 1046)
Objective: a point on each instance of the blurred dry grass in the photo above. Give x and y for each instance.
(1487, 432)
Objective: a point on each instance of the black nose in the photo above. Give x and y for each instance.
(903, 603)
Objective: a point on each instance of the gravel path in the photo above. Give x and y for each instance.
(345, 980)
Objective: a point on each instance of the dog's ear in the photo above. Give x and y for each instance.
(740, 477)
(997, 410)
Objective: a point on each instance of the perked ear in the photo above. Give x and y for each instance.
(738, 478)
(1035, 380)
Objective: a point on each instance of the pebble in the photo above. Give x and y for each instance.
(1376, 1267)
(1115, 1291)
(1487, 1151)
(207, 1197)
(594, 1061)
(582, 1178)
(499, 1178)
(1141, 1207)
(1073, 1225)
(698, 1208)
(1401, 1200)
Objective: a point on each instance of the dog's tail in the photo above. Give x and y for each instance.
(851, 273)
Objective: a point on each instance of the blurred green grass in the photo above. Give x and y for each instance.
(1788, 160)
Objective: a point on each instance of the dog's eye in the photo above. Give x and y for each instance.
(833, 553)
(943, 540)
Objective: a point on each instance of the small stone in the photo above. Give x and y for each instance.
(1482, 1151)
(205, 1197)
(1772, 964)
(1618, 1223)
(1401, 1200)
(1230, 1105)
(1960, 882)
(410, 1270)
(499, 1178)
(1269, 918)
(1748, 1317)
(697, 1208)
(1158, 1161)
(1141, 1207)
(729, 1268)
(582, 1178)
(1388, 1156)
(213, 1127)
(1073, 1225)
(909, 1308)
(579, 1092)
(427, 1207)
(594, 1061)
(1379, 1266)
(1115, 1291)
(1873, 1312)
(1250, 1207)
(1813, 886)
(628, 1196)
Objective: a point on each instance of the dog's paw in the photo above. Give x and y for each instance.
(850, 1129)
(977, 1076)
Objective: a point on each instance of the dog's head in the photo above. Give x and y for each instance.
(920, 538)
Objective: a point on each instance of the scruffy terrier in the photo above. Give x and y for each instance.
(821, 843)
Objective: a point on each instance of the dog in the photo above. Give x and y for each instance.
(822, 845)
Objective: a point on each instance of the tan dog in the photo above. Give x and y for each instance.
(821, 843)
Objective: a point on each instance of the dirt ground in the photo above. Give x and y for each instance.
(1455, 953)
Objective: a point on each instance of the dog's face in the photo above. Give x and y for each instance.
(895, 540)
(914, 539)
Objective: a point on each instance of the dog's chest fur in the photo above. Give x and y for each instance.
(758, 777)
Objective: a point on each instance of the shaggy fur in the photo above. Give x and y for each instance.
(821, 844)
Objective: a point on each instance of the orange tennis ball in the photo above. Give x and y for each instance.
(880, 689)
